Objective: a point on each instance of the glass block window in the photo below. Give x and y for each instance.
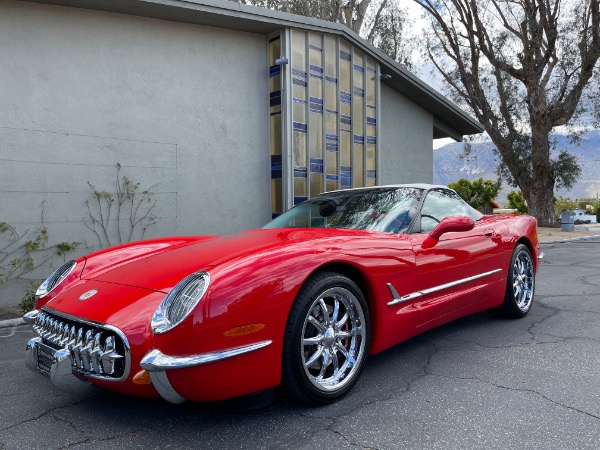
(334, 110)
(275, 125)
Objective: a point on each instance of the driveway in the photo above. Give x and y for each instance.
(479, 382)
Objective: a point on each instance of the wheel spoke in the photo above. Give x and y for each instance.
(325, 312)
(316, 355)
(313, 340)
(336, 310)
(340, 323)
(318, 325)
(351, 333)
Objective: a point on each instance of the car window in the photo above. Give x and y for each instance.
(442, 203)
(376, 209)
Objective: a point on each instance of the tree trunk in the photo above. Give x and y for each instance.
(540, 194)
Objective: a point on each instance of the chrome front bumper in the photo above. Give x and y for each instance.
(157, 364)
(56, 365)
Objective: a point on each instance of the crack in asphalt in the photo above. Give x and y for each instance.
(397, 392)
(509, 388)
(90, 440)
(47, 412)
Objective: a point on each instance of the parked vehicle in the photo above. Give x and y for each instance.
(300, 303)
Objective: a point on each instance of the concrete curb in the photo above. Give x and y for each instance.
(582, 238)
(11, 323)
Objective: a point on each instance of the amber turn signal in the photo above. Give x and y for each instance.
(142, 377)
(244, 330)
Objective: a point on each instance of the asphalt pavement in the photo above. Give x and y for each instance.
(479, 382)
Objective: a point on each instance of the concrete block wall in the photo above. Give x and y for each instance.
(406, 140)
(179, 106)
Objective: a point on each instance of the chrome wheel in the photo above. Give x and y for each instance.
(333, 344)
(523, 280)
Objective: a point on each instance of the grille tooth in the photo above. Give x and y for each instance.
(94, 351)
(95, 354)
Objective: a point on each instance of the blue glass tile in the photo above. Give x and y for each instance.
(358, 68)
(316, 165)
(274, 70)
(276, 167)
(331, 177)
(371, 140)
(299, 73)
(331, 79)
(316, 105)
(275, 98)
(331, 137)
(346, 120)
(359, 139)
(344, 55)
(298, 200)
(345, 97)
(300, 172)
(316, 75)
(346, 180)
(300, 127)
(299, 100)
(371, 121)
(371, 174)
(317, 69)
(298, 82)
(359, 92)
(314, 47)
(346, 169)
(331, 147)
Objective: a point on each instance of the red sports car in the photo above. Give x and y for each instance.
(300, 303)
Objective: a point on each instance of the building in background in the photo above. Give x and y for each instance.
(233, 113)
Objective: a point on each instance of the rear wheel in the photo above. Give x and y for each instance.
(520, 283)
(326, 339)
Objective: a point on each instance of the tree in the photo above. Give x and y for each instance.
(521, 67)
(564, 204)
(516, 201)
(381, 22)
(478, 193)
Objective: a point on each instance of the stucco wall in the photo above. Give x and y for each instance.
(406, 140)
(179, 106)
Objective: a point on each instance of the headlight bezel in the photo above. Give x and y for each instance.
(55, 279)
(161, 323)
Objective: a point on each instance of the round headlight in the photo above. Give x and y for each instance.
(179, 302)
(55, 279)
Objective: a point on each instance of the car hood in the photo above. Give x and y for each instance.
(160, 264)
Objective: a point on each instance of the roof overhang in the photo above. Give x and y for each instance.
(449, 119)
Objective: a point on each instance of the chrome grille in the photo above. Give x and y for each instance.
(95, 351)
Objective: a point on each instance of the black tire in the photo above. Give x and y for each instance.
(315, 344)
(520, 285)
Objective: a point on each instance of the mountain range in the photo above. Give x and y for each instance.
(451, 162)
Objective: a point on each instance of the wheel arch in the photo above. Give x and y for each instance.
(355, 274)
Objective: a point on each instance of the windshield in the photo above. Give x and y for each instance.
(388, 209)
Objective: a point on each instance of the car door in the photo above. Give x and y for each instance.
(455, 271)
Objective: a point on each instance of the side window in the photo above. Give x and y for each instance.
(440, 204)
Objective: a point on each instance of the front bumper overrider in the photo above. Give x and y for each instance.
(157, 364)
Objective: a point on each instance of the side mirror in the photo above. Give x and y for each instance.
(448, 225)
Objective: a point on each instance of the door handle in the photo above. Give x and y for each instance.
(489, 232)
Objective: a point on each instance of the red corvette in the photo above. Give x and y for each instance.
(301, 302)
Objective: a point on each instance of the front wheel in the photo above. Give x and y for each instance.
(520, 283)
(326, 339)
